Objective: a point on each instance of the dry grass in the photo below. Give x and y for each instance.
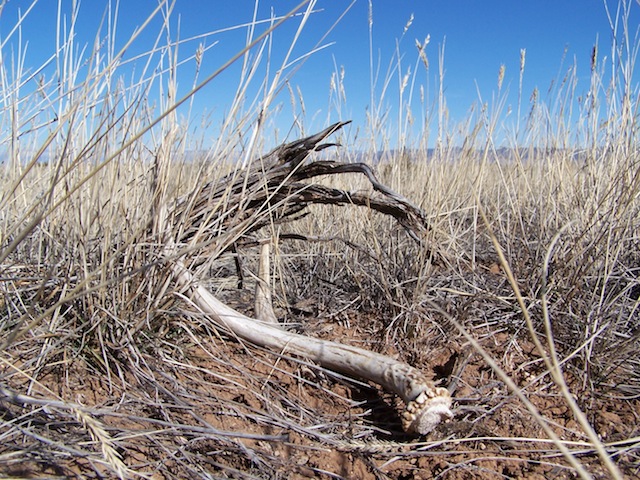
(523, 297)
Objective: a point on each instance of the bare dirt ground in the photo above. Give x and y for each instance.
(191, 402)
(204, 405)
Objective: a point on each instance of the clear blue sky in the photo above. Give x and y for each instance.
(480, 36)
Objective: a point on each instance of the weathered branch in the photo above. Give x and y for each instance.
(272, 189)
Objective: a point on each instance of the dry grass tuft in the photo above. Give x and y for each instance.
(522, 298)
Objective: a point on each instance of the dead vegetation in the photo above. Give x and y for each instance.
(510, 282)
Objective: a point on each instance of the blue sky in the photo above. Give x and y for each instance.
(479, 37)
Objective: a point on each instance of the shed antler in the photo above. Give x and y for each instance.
(271, 190)
(426, 405)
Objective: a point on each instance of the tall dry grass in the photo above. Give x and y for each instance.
(105, 367)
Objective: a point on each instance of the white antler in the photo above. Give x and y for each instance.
(426, 405)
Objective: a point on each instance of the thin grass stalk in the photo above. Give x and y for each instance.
(567, 454)
(551, 360)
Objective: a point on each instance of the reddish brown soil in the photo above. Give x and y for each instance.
(296, 421)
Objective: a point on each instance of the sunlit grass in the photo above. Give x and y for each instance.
(535, 236)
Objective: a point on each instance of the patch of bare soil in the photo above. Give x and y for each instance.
(201, 405)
